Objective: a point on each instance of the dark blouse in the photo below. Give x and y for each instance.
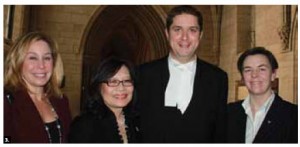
(91, 128)
(54, 131)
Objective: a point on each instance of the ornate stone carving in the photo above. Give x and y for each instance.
(285, 30)
(284, 33)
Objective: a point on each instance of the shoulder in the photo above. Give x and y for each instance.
(284, 111)
(83, 123)
(210, 67)
(235, 106)
(82, 129)
(61, 102)
(17, 97)
(8, 97)
(286, 106)
(64, 99)
(86, 118)
(153, 64)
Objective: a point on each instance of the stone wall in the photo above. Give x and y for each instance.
(267, 22)
(68, 26)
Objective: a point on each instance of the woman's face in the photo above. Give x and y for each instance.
(37, 67)
(258, 75)
(117, 96)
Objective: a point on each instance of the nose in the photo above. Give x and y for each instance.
(184, 35)
(254, 73)
(120, 87)
(41, 64)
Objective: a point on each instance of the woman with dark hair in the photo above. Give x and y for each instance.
(263, 116)
(109, 115)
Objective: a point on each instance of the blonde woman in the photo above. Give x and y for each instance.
(35, 110)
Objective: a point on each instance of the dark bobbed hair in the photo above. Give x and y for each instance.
(257, 51)
(106, 70)
(185, 9)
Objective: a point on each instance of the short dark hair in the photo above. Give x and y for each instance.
(255, 51)
(106, 70)
(184, 9)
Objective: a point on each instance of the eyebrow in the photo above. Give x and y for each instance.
(261, 65)
(36, 53)
(193, 27)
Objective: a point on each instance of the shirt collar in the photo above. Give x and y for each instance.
(190, 66)
(265, 107)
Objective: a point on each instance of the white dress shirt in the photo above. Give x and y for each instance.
(254, 123)
(181, 83)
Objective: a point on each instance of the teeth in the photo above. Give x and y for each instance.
(184, 46)
(40, 75)
(121, 96)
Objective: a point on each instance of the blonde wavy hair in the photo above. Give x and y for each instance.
(14, 60)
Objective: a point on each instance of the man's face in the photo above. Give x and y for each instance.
(184, 37)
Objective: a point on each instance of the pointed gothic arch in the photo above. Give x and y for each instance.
(135, 33)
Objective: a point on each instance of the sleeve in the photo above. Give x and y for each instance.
(294, 126)
(8, 115)
(65, 115)
(81, 130)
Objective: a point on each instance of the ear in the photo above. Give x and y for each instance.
(273, 75)
(167, 33)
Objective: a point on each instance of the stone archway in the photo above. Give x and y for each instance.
(135, 33)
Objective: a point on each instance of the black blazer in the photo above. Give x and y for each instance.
(204, 120)
(92, 128)
(279, 126)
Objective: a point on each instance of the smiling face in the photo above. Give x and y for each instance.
(258, 75)
(37, 67)
(117, 97)
(184, 37)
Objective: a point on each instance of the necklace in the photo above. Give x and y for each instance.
(122, 128)
(50, 129)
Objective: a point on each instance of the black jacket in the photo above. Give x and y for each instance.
(279, 126)
(204, 120)
(92, 128)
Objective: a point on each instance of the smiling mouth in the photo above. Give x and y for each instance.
(184, 45)
(255, 83)
(40, 75)
(121, 96)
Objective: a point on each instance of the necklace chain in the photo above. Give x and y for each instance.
(58, 126)
(122, 128)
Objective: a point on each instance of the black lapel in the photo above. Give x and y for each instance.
(196, 88)
(164, 74)
(241, 124)
(271, 122)
(237, 119)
